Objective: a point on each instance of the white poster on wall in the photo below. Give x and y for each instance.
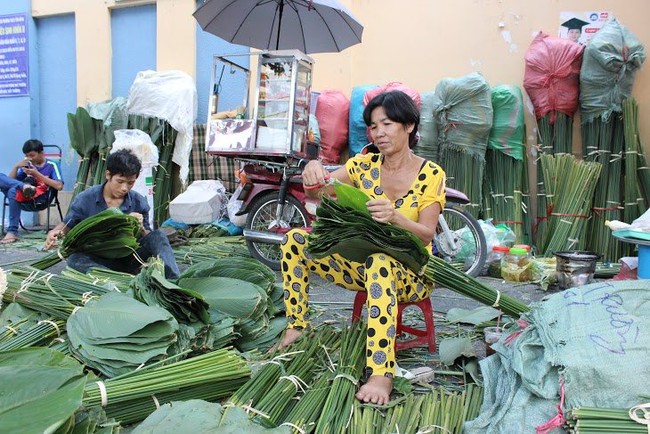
(580, 27)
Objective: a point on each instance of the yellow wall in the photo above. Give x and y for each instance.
(417, 42)
(176, 39)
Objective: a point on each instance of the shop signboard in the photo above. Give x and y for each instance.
(14, 56)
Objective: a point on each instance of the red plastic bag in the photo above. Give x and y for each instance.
(332, 113)
(552, 75)
(41, 189)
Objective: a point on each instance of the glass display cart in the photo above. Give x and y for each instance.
(279, 124)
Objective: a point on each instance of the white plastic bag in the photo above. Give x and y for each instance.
(168, 95)
(200, 203)
(234, 205)
(140, 144)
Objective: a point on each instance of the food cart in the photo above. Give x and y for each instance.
(275, 122)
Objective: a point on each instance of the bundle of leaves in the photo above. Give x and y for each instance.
(40, 390)
(151, 287)
(245, 302)
(353, 234)
(115, 334)
(109, 234)
(206, 418)
(243, 289)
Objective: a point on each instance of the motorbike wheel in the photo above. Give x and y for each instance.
(261, 217)
(463, 245)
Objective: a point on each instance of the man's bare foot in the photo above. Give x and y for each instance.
(289, 337)
(376, 390)
(9, 238)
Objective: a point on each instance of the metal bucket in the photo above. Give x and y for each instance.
(575, 268)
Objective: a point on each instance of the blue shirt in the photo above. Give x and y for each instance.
(49, 169)
(91, 201)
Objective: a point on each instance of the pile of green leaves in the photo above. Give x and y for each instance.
(40, 390)
(115, 334)
(245, 290)
(206, 418)
(353, 234)
(109, 234)
(151, 287)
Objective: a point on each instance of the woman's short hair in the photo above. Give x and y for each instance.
(123, 162)
(399, 107)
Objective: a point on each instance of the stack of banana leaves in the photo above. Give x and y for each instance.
(345, 227)
(116, 334)
(108, 234)
(244, 290)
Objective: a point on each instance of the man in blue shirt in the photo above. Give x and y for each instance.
(34, 175)
(122, 170)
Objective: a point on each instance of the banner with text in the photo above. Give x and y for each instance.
(14, 55)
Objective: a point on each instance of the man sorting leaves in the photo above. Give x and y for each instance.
(122, 170)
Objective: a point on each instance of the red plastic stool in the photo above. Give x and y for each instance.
(423, 337)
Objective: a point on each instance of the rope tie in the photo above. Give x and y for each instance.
(11, 329)
(102, 392)
(514, 335)
(641, 414)
(87, 296)
(59, 254)
(295, 427)
(155, 401)
(496, 302)
(52, 323)
(432, 428)
(296, 382)
(347, 377)
(558, 420)
(249, 408)
(76, 308)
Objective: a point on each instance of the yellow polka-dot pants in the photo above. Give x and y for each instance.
(385, 280)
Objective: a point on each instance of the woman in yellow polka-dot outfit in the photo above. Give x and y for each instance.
(406, 190)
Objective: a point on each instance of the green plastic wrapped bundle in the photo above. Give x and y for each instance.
(463, 112)
(608, 68)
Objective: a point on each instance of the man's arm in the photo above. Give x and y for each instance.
(13, 173)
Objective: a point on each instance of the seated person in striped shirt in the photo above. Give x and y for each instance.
(27, 184)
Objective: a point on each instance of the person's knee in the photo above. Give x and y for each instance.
(378, 259)
(11, 193)
(155, 238)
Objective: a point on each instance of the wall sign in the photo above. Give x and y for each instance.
(14, 56)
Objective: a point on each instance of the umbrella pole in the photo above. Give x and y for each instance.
(277, 41)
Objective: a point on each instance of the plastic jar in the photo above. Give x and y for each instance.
(516, 265)
(494, 260)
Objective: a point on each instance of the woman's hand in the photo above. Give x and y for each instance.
(314, 174)
(382, 210)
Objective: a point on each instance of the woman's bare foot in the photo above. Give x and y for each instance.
(289, 337)
(376, 390)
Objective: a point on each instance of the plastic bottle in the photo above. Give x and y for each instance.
(494, 260)
(516, 265)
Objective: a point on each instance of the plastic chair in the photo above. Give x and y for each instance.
(55, 155)
(425, 337)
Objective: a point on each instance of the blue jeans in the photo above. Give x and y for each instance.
(153, 244)
(9, 186)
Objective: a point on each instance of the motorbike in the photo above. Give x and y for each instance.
(274, 201)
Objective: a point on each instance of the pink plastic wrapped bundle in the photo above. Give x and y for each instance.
(552, 74)
(332, 112)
